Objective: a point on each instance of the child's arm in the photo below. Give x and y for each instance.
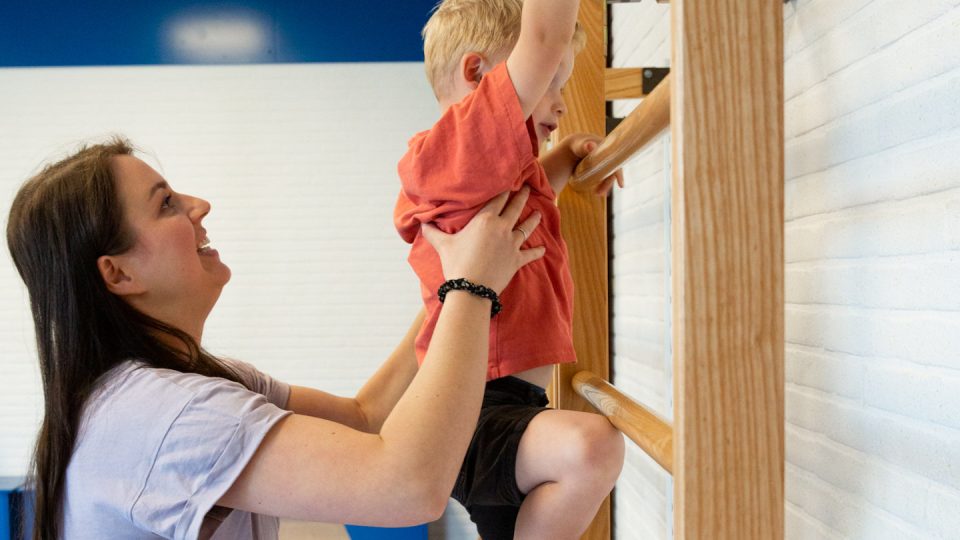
(546, 30)
(560, 162)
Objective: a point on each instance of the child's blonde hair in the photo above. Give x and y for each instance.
(488, 27)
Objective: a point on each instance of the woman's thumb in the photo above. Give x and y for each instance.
(431, 233)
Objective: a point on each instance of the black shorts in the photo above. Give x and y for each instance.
(487, 483)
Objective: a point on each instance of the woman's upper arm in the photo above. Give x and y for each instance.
(314, 469)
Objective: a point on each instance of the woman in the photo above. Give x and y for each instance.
(145, 434)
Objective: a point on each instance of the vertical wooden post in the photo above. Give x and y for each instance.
(727, 121)
(584, 228)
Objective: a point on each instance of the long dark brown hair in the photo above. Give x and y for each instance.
(62, 220)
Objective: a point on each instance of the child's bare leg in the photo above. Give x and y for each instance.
(567, 463)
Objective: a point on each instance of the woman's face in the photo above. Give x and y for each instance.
(178, 276)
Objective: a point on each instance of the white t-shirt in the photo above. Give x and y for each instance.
(158, 448)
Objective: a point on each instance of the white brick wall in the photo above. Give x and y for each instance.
(298, 162)
(873, 311)
(640, 270)
(872, 115)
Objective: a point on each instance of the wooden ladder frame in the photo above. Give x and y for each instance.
(726, 110)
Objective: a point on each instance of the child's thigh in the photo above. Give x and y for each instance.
(559, 444)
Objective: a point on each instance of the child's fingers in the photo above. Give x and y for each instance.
(585, 146)
(603, 188)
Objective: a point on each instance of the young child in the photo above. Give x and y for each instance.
(497, 68)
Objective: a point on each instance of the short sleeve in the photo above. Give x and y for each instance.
(479, 148)
(276, 392)
(202, 452)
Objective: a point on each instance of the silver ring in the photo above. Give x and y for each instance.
(523, 232)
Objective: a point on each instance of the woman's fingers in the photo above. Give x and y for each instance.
(527, 227)
(512, 212)
(527, 256)
(487, 250)
(495, 205)
(433, 235)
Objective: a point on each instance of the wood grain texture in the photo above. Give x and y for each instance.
(584, 223)
(640, 127)
(584, 227)
(727, 122)
(623, 83)
(652, 434)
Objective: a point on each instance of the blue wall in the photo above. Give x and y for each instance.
(111, 32)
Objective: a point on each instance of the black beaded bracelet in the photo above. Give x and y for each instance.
(479, 290)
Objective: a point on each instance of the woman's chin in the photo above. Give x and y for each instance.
(226, 274)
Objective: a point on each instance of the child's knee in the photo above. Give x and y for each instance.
(598, 448)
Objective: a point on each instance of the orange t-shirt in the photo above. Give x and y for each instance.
(478, 149)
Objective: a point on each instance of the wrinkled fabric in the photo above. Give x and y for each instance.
(478, 149)
(158, 448)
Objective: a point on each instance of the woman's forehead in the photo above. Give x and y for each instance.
(137, 182)
(133, 173)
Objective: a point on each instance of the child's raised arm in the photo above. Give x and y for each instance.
(546, 30)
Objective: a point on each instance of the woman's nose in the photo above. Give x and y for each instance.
(199, 208)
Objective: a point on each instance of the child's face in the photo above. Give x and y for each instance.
(546, 115)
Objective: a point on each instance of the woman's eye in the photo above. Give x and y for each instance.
(167, 202)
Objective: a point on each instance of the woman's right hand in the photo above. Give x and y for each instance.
(487, 251)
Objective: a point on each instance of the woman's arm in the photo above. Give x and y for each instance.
(376, 399)
(315, 469)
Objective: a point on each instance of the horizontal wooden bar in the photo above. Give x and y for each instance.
(623, 83)
(651, 433)
(640, 127)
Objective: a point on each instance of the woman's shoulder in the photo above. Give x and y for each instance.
(139, 373)
(139, 391)
(146, 432)
(135, 397)
(124, 426)
(136, 376)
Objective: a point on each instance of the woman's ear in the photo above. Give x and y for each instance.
(117, 280)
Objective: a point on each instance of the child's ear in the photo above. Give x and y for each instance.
(117, 280)
(472, 69)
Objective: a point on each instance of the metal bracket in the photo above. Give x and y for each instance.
(612, 123)
(652, 77)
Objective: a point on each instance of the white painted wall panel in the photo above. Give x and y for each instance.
(640, 282)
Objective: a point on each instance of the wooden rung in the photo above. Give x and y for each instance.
(651, 433)
(623, 83)
(640, 127)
